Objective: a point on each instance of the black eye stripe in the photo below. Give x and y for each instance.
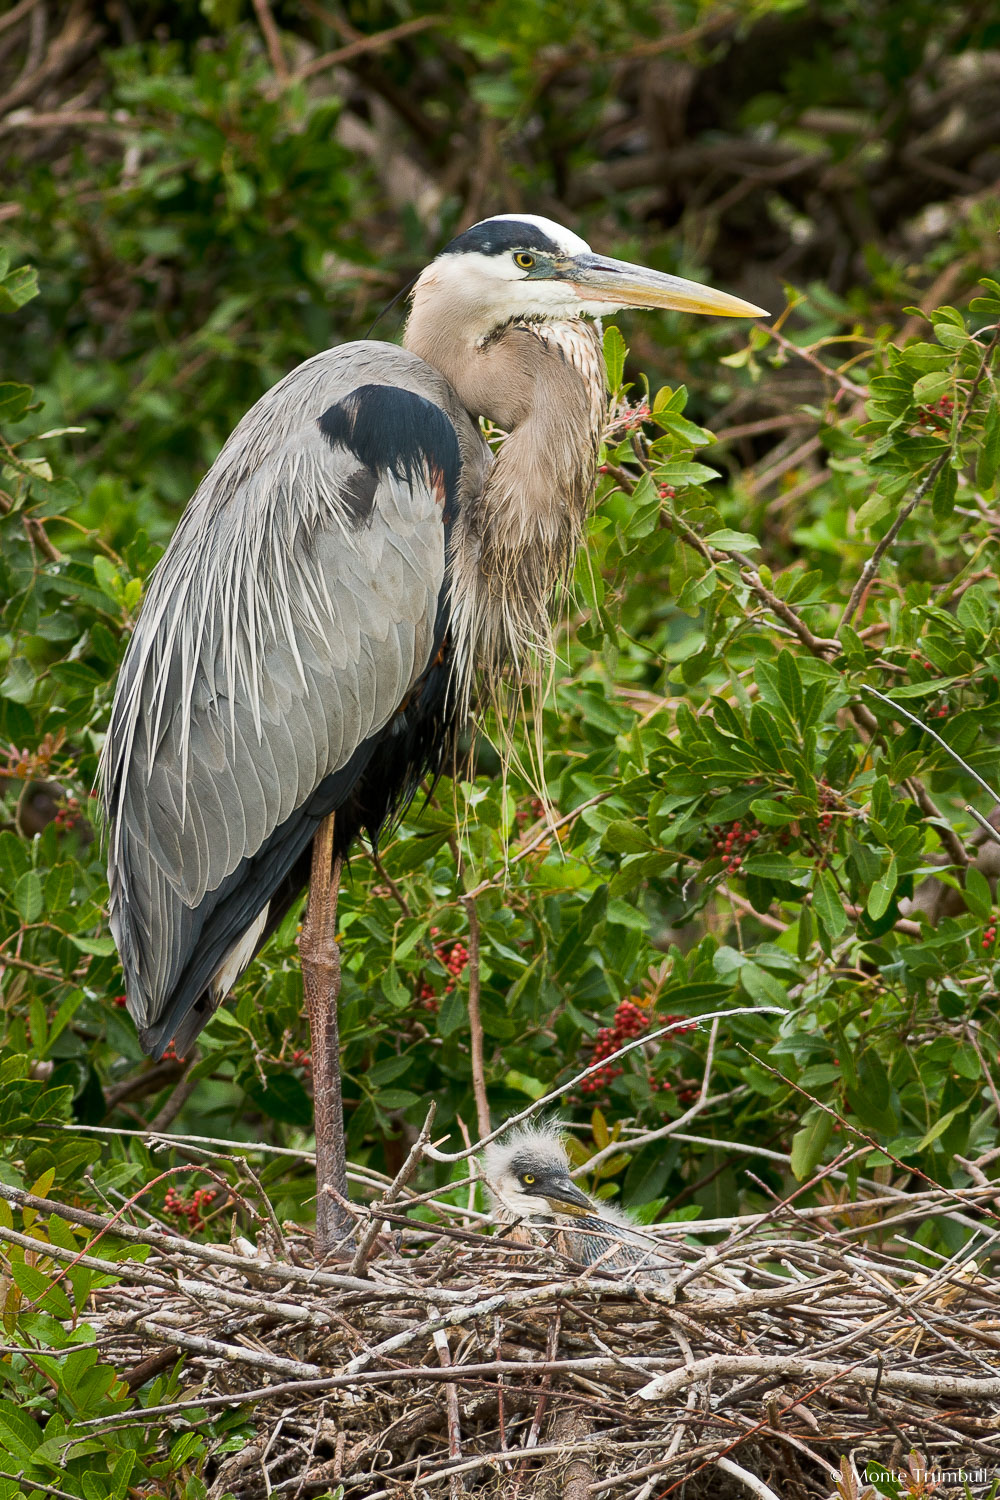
(494, 237)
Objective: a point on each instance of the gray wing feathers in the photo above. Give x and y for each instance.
(275, 638)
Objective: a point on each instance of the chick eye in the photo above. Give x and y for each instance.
(528, 1178)
(526, 262)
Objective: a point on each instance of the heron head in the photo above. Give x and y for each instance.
(528, 1173)
(523, 266)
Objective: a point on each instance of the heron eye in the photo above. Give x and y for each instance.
(528, 1178)
(526, 262)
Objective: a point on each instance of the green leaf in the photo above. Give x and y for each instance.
(762, 986)
(733, 541)
(108, 580)
(681, 428)
(809, 1143)
(28, 897)
(875, 509)
(827, 903)
(14, 400)
(978, 896)
(40, 1290)
(989, 453)
(393, 988)
(17, 288)
(389, 1068)
(882, 891)
(975, 610)
(282, 1097)
(943, 493)
(121, 1474)
(930, 388)
(940, 1126)
(451, 1015)
(615, 352)
(773, 814)
(101, 947)
(18, 1433)
(773, 867)
(626, 838)
(681, 472)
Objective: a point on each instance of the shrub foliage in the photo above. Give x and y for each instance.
(769, 753)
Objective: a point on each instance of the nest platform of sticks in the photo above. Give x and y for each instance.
(785, 1355)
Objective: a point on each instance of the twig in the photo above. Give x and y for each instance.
(212, 1254)
(564, 1088)
(817, 645)
(871, 567)
(546, 833)
(178, 1096)
(36, 1484)
(898, 708)
(635, 1143)
(272, 1218)
(749, 1481)
(392, 1192)
(984, 823)
(16, 14)
(812, 359)
(787, 1366)
(149, 1080)
(259, 1358)
(272, 39)
(942, 827)
(387, 880)
(455, 1485)
(366, 44)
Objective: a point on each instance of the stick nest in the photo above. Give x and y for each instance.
(775, 1356)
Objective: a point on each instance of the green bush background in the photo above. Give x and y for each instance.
(204, 209)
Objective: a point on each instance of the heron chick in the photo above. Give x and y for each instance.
(527, 1173)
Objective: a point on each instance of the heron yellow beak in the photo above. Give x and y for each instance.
(562, 1194)
(617, 283)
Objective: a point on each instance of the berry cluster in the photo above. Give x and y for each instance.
(68, 816)
(989, 935)
(729, 841)
(455, 960)
(537, 810)
(666, 491)
(170, 1054)
(634, 419)
(938, 416)
(629, 1022)
(302, 1059)
(201, 1198)
(827, 799)
(121, 1001)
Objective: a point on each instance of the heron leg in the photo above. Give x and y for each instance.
(320, 959)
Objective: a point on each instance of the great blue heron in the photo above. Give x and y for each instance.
(527, 1173)
(354, 561)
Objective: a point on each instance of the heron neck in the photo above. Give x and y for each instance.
(544, 383)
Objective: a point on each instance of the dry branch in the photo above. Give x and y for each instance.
(453, 1362)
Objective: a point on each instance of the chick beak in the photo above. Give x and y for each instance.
(617, 283)
(562, 1194)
